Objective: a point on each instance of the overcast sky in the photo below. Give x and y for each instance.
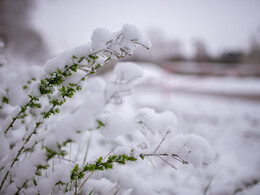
(222, 24)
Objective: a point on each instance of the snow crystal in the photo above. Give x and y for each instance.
(127, 71)
(38, 157)
(51, 142)
(45, 186)
(75, 78)
(128, 179)
(192, 148)
(4, 145)
(156, 122)
(94, 85)
(131, 32)
(107, 186)
(82, 50)
(24, 171)
(16, 93)
(15, 112)
(126, 74)
(34, 71)
(122, 150)
(31, 190)
(34, 90)
(12, 189)
(100, 38)
(115, 124)
(65, 58)
(62, 173)
(58, 62)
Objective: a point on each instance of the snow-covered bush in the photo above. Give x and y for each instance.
(51, 143)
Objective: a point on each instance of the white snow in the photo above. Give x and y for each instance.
(4, 145)
(216, 135)
(100, 38)
(157, 122)
(127, 71)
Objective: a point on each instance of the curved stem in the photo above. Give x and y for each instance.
(86, 180)
(17, 116)
(23, 146)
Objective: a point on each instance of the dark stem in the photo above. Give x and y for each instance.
(161, 142)
(22, 148)
(15, 118)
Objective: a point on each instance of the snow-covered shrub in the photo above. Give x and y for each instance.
(44, 152)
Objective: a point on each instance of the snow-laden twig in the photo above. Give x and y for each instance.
(56, 86)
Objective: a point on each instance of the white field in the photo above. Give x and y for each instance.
(231, 126)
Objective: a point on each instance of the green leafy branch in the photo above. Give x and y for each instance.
(53, 85)
(99, 165)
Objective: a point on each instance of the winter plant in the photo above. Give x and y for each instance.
(61, 132)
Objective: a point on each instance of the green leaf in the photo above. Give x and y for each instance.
(5, 100)
(99, 160)
(50, 153)
(74, 67)
(59, 71)
(108, 166)
(60, 183)
(81, 58)
(57, 110)
(100, 124)
(62, 89)
(38, 173)
(42, 167)
(74, 172)
(91, 191)
(93, 57)
(67, 141)
(81, 175)
(34, 182)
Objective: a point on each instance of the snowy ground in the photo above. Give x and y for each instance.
(218, 109)
(231, 125)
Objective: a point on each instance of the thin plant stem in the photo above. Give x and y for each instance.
(167, 162)
(161, 142)
(17, 116)
(86, 180)
(86, 153)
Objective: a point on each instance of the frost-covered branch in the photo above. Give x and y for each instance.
(63, 77)
(44, 152)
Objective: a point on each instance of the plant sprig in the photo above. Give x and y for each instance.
(53, 87)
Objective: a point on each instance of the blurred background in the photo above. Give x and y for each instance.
(215, 38)
(204, 66)
(194, 37)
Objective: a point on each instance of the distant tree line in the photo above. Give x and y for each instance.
(252, 56)
(171, 50)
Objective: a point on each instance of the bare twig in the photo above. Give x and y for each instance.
(86, 180)
(167, 162)
(174, 156)
(178, 158)
(151, 163)
(136, 42)
(161, 142)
